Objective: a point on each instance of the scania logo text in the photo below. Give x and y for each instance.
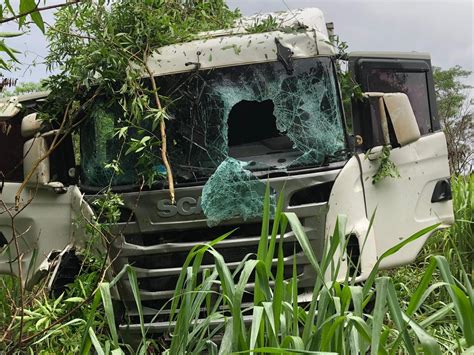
(185, 206)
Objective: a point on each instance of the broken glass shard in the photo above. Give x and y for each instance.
(232, 191)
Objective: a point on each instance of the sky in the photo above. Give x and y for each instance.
(442, 28)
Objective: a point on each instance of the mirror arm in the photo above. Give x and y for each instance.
(384, 121)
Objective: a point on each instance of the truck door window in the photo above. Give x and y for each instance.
(413, 84)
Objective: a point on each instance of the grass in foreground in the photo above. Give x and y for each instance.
(424, 307)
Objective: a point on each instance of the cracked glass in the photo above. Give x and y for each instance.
(258, 114)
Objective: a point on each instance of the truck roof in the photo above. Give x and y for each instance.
(303, 31)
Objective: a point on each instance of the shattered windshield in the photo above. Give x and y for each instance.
(258, 114)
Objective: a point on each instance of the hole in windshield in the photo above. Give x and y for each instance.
(253, 131)
(251, 122)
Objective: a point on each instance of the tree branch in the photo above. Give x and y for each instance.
(38, 9)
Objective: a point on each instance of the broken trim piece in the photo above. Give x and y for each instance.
(284, 55)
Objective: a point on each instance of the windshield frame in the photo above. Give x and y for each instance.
(290, 171)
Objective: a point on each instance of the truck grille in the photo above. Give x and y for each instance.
(157, 248)
(158, 258)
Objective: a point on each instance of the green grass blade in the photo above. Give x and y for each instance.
(132, 276)
(379, 313)
(256, 321)
(463, 306)
(275, 227)
(438, 316)
(263, 244)
(226, 344)
(86, 340)
(109, 312)
(397, 316)
(296, 343)
(227, 282)
(303, 240)
(467, 314)
(370, 280)
(240, 335)
(95, 342)
(416, 298)
(271, 321)
(279, 285)
(429, 344)
(198, 249)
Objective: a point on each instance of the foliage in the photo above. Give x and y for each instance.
(94, 46)
(27, 10)
(266, 25)
(10, 52)
(275, 322)
(455, 113)
(24, 88)
(350, 90)
(42, 312)
(386, 167)
(457, 242)
(422, 307)
(105, 49)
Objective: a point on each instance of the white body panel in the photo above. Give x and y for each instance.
(402, 206)
(48, 224)
(237, 47)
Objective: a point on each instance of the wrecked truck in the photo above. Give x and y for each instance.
(248, 109)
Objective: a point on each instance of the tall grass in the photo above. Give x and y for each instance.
(456, 244)
(426, 307)
(335, 320)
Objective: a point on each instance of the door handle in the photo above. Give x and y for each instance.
(442, 191)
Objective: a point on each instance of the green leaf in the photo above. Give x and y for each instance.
(370, 280)
(86, 338)
(9, 51)
(256, 321)
(397, 316)
(379, 313)
(226, 344)
(104, 288)
(429, 344)
(95, 342)
(74, 300)
(10, 34)
(38, 20)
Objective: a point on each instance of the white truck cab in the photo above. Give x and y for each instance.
(266, 106)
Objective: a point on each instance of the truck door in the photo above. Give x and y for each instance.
(421, 195)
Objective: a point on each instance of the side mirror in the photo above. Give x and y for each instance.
(33, 150)
(36, 150)
(395, 109)
(402, 117)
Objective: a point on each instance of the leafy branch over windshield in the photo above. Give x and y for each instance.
(104, 48)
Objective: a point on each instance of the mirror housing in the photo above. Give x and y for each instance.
(395, 109)
(402, 117)
(30, 125)
(33, 150)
